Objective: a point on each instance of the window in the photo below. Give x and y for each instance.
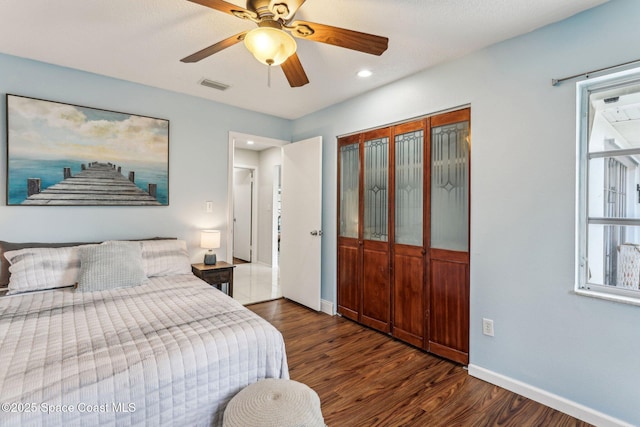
(608, 211)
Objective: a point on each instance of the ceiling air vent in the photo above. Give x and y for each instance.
(214, 85)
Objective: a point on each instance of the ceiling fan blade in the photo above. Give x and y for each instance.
(285, 9)
(294, 72)
(227, 7)
(363, 42)
(214, 48)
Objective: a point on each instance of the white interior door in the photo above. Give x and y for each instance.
(275, 212)
(242, 208)
(301, 222)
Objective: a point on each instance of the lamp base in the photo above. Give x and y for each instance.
(210, 259)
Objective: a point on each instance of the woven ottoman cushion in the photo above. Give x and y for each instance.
(274, 403)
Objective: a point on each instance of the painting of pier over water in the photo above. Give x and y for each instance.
(68, 155)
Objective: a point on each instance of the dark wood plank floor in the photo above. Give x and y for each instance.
(365, 378)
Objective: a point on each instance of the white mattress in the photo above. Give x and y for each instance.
(173, 351)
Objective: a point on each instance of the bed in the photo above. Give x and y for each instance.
(170, 350)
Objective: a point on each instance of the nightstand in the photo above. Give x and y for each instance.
(215, 275)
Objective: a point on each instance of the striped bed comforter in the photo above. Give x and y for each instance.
(172, 351)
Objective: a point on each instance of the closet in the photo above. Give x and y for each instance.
(403, 231)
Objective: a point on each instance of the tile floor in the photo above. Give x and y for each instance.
(255, 283)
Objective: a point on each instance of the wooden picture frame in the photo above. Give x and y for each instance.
(62, 154)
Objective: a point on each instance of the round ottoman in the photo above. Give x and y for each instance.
(274, 403)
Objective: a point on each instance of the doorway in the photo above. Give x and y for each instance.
(256, 280)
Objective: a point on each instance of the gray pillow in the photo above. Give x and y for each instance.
(35, 269)
(116, 264)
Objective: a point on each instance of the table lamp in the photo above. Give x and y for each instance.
(210, 239)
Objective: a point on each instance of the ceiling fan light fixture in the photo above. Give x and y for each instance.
(269, 45)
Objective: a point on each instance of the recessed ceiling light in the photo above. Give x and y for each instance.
(249, 142)
(365, 73)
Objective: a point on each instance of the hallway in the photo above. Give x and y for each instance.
(253, 282)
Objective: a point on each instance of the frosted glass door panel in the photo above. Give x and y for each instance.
(349, 182)
(450, 187)
(409, 194)
(376, 194)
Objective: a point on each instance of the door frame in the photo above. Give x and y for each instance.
(239, 138)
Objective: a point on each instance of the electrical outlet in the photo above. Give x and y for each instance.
(487, 327)
(209, 207)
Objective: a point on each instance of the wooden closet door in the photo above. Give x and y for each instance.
(409, 295)
(349, 227)
(376, 277)
(403, 240)
(449, 191)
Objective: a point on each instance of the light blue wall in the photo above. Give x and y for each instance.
(198, 144)
(522, 208)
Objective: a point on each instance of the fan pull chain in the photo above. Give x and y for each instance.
(269, 64)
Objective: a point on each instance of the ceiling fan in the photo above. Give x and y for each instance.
(272, 45)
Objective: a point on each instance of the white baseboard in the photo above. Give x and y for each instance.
(554, 401)
(326, 307)
(266, 264)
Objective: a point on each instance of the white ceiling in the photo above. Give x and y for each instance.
(143, 41)
(620, 106)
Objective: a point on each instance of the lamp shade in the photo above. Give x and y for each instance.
(270, 46)
(210, 239)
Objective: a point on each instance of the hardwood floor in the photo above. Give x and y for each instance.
(365, 378)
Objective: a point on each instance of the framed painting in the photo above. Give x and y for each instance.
(67, 155)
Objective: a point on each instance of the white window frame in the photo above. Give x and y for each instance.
(582, 284)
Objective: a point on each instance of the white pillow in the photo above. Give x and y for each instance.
(110, 265)
(165, 257)
(34, 269)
